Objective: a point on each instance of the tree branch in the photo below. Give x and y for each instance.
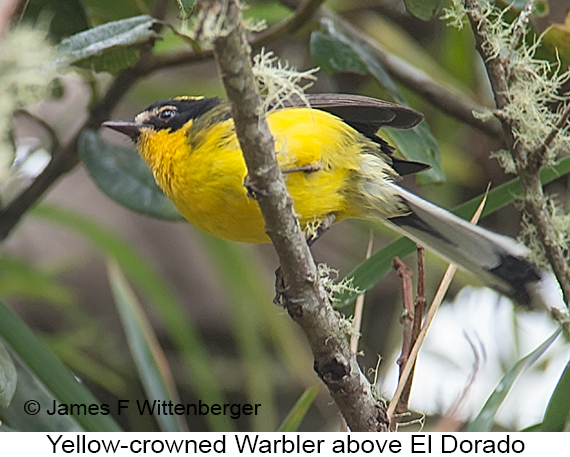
(304, 11)
(305, 299)
(528, 161)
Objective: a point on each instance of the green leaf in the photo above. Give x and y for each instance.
(332, 55)
(124, 177)
(145, 349)
(557, 412)
(49, 370)
(29, 388)
(299, 410)
(334, 50)
(102, 11)
(557, 37)
(270, 12)
(66, 17)
(342, 52)
(419, 145)
(369, 272)
(8, 377)
(108, 47)
(185, 8)
(169, 310)
(423, 9)
(486, 417)
(18, 279)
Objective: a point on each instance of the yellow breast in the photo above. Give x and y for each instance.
(203, 171)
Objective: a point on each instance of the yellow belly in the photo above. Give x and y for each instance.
(206, 183)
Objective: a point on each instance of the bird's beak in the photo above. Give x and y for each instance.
(131, 129)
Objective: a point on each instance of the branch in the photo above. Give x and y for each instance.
(305, 300)
(528, 161)
(304, 12)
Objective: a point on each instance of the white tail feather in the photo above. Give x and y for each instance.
(499, 261)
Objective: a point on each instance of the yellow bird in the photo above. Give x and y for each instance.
(334, 164)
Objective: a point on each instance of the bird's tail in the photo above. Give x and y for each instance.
(499, 261)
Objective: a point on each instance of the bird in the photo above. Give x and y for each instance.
(336, 166)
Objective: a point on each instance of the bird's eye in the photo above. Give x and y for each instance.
(166, 114)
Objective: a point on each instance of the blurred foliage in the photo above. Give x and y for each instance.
(166, 348)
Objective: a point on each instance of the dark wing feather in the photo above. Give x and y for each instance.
(364, 113)
(367, 115)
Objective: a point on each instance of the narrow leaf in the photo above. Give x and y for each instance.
(486, 417)
(248, 296)
(423, 9)
(21, 280)
(49, 370)
(185, 8)
(299, 410)
(145, 349)
(124, 177)
(17, 416)
(8, 377)
(247, 287)
(91, 48)
(66, 17)
(557, 412)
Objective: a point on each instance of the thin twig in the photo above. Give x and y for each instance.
(407, 320)
(522, 22)
(66, 157)
(450, 421)
(303, 13)
(411, 331)
(420, 303)
(436, 303)
(359, 305)
(407, 317)
(562, 121)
